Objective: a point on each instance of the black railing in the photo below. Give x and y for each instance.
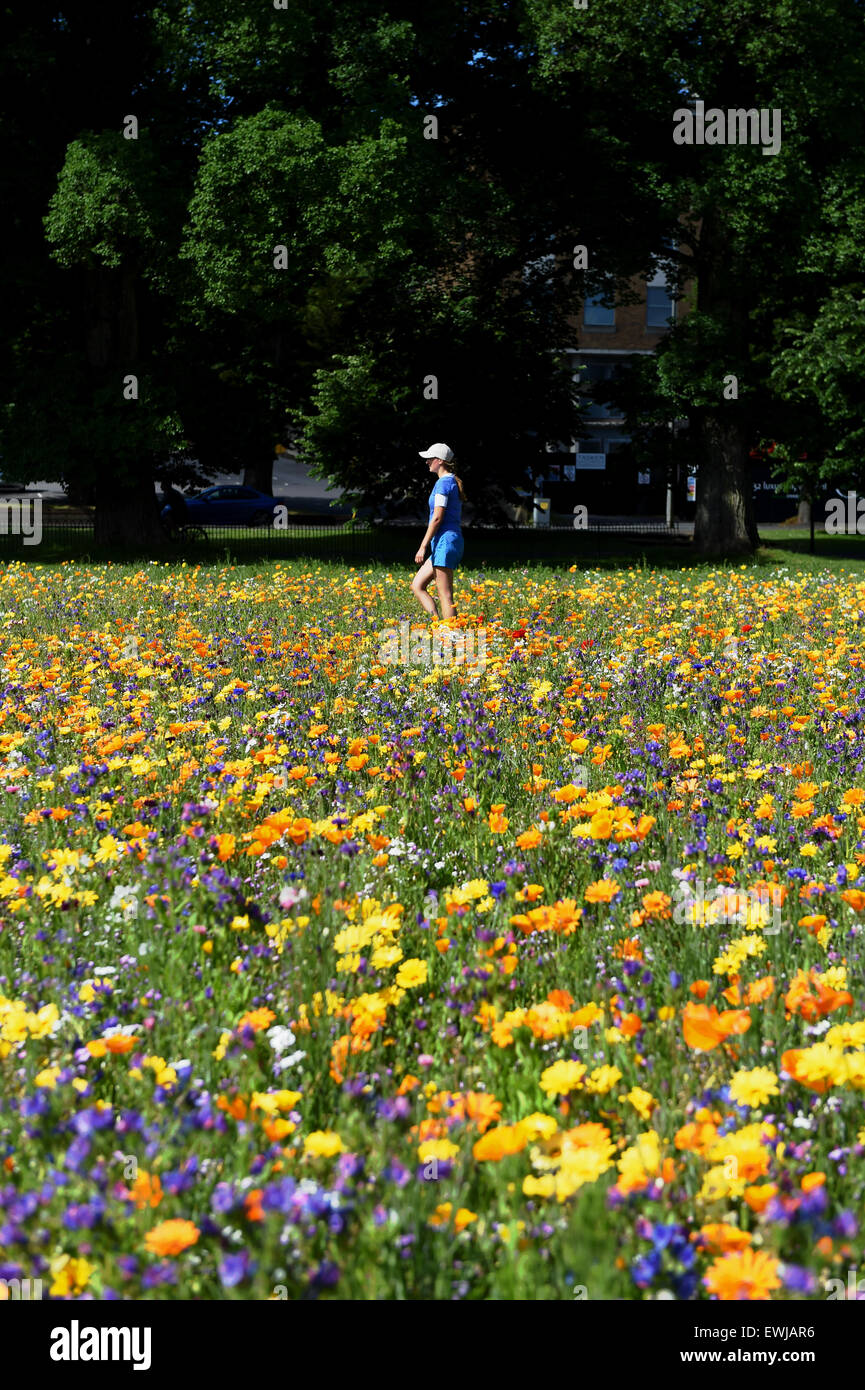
(323, 537)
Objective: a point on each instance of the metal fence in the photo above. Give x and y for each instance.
(326, 538)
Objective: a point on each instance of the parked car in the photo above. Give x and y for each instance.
(227, 505)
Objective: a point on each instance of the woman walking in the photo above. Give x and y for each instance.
(443, 534)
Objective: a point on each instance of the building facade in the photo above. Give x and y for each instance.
(598, 470)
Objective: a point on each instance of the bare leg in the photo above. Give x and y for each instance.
(419, 586)
(445, 590)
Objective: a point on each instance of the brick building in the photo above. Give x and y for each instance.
(598, 470)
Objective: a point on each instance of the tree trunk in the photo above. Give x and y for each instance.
(259, 476)
(127, 511)
(724, 524)
(803, 516)
(128, 517)
(112, 318)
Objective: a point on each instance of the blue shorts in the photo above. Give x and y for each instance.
(447, 549)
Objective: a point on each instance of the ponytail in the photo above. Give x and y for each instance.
(458, 481)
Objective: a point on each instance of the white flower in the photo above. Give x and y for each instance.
(291, 1060)
(280, 1038)
(814, 1030)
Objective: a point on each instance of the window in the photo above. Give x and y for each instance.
(594, 377)
(660, 308)
(596, 314)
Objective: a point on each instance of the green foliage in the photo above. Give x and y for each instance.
(99, 213)
(408, 258)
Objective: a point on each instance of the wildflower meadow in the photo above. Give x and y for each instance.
(531, 976)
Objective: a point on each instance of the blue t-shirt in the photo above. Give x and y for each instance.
(446, 490)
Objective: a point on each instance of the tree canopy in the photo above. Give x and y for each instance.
(351, 227)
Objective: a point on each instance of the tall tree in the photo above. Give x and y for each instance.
(407, 163)
(741, 216)
(90, 305)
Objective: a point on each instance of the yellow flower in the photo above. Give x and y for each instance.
(561, 1078)
(602, 1080)
(544, 1186)
(822, 1063)
(437, 1150)
(754, 1087)
(442, 1214)
(464, 1218)
(69, 1275)
(721, 1182)
(642, 1101)
(109, 848)
(579, 1166)
(47, 1078)
(352, 940)
(843, 1034)
(41, 1024)
(856, 1070)
(539, 1126)
(385, 956)
(412, 973)
(323, 1143)
(642, 1160)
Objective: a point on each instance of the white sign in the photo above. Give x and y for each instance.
(591, 460)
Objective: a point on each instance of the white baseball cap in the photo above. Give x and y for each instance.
(438, 451)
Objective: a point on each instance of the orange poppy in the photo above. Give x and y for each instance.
(500, 1143)
(704, 1027)
(171, 1237)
